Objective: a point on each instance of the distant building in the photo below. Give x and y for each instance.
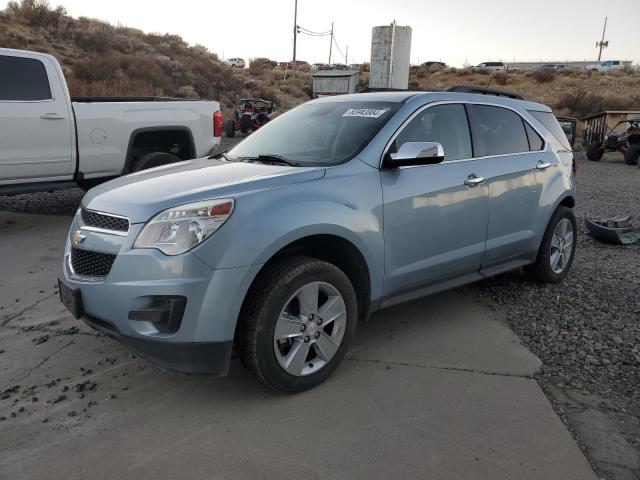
(335, 82)
(390, 52)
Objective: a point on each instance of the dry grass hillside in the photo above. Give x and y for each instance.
(102, 59)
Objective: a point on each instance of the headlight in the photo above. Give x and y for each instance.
(178, 229)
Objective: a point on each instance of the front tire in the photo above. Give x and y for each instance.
(558, 247)
(296, 326)
(595, 151)
(632, 154)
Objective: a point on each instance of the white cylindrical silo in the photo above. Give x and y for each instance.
(390, 54)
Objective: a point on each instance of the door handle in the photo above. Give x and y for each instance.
(473, 180)
(52, 116)
(542, 165)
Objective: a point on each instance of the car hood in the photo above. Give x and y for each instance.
(141, 195)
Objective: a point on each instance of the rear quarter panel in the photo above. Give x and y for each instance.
(104, 130)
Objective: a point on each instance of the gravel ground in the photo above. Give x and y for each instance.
(585, 330)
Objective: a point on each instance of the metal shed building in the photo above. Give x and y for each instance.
(335, 82)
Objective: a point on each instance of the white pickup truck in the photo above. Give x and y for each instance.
(50, 141)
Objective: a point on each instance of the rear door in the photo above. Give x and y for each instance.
(510, 153)
(435, 216)
(36, 141)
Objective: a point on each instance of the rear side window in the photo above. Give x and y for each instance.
(445, 124)
(23, 79)
(551, 123)
(498, 131)
(535, 141)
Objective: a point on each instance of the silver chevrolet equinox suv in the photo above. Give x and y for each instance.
(334, 210)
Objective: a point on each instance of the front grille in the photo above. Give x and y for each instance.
(104, 221)
(91, 264)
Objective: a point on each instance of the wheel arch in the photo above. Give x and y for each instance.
(331, 248)
(146, 137)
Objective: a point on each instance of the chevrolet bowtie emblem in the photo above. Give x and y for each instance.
(77, 238)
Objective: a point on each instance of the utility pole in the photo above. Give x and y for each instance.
(295, 35)
(602, 44)
(331, 43)
(346, 56)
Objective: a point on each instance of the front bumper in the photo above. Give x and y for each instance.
(193, 357)
(202, 342)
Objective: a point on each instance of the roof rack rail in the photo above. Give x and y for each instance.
(485, 91)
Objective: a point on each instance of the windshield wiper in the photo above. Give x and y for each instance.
(271, 159)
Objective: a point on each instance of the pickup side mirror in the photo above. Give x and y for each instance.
(415, 153)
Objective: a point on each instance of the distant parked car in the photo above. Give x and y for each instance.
(319, 66)
(606, 66)
(235, 62)
(299, 65)
(264, 62)
(552, 66)
(354, 66)
(338, 66)
(492, 66)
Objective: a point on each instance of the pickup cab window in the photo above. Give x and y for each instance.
(23, 79)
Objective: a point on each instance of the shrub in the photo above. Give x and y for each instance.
(544, 75)
(37, 12)
(501, 78)
(581, 103)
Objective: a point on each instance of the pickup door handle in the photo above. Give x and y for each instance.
(52, 116)
(473, 180)
(542, 165)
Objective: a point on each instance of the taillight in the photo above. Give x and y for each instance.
(217, 124)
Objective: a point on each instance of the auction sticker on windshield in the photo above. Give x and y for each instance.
(364, 112)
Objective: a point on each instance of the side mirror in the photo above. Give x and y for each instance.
(415, 153)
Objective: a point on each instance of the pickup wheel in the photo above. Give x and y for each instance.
(557, 249)
(154, 159)
(230, 128)
(297, 323)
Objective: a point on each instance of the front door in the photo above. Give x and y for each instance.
(435, 216)
(36, 139)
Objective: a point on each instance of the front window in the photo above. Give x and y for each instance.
(318, 134)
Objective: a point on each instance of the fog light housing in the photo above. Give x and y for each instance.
(164, 312)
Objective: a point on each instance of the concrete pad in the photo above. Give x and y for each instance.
(434, 389)
(449, 330)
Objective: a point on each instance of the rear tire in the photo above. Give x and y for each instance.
(595, 151)
(289, 358)
(632, 154)
(548, 268)
(230, 128)
(154, 159)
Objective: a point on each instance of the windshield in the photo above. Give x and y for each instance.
(318, 134)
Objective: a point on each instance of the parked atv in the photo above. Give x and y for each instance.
(627, 142)
(250, 115)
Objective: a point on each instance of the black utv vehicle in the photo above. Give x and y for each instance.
(250, 115)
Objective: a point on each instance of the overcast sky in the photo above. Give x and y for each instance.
(453, 31)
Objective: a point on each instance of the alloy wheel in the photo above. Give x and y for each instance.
(310, 328)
